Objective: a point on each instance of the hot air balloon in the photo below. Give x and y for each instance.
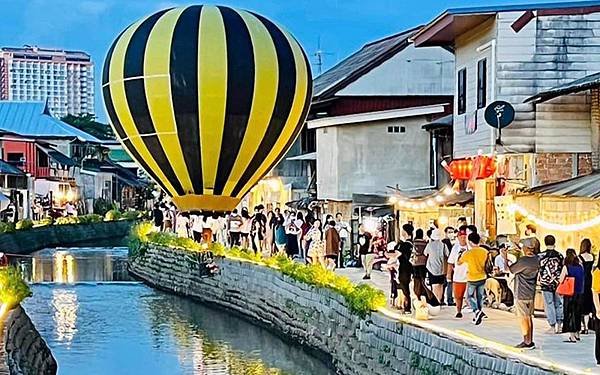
(206, 99)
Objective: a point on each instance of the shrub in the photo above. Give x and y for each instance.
(66, 220)
(112, 215)
(43, 222)
(24, 224)
(7, 227)
(13, 289)
(102, 206)
(91, 218)
(361, 299)
(132, 215)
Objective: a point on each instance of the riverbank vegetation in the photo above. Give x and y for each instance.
(112, 215)
(13, 289)
(361, 298)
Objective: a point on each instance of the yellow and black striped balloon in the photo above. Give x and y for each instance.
(206, 99)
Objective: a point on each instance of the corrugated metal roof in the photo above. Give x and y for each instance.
(583, 186)
(6, 168)
(119, 155)
(56, 155)
(582, 84)
(362, 61)
(34, 120)
(522, 7)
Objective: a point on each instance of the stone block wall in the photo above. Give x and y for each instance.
(28, 241)
(320, 319)
(26, 352)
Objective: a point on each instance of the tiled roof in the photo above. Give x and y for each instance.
(33, 119)
(359, 63)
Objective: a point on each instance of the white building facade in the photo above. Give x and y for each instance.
(65, 79)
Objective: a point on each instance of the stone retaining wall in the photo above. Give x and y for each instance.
(28, 241)
(319, 319)
(25, 351)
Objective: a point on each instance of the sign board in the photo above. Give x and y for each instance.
(499, 114)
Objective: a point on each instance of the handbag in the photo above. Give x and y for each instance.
(567, 287)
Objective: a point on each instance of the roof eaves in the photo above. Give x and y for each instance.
(343, 82)
(582, 84)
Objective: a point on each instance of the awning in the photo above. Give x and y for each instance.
(583, 187)
(370, 200)
(57, 156)
(4, 202)
(579, 85)
(9, 169)
(445, 122)
(308, 156)
(301, 204)
(462, 198)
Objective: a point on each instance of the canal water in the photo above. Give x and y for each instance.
(98, 321)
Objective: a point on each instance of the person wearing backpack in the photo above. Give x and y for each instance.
(551, 264)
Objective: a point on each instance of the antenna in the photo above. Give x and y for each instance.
(319, 54)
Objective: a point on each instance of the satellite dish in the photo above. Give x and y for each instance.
(499, 114)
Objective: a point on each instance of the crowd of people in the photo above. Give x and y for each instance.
(427, 269)
(271, 232)
(437, 268)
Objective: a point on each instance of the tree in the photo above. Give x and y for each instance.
(87, 123)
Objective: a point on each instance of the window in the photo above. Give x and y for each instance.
(396, 129)
(462, 91)
(481, 83)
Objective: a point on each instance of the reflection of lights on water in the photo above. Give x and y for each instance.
(65, 305)
(64, 267)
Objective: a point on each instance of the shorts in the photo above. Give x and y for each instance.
(524, 308)
(332, 257)
(459, 290)
(436, 279)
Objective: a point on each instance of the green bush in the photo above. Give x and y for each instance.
(13, 289)
(7, 227)
(361, 299)
(112, 215)
(132, 215)
(65, 220)
(24, 224)
(91, 218)
(102, 206)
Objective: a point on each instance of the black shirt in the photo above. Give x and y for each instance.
(364, 246)
(158, 216)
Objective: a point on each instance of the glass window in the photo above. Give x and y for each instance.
(482, 83)
(462, 91)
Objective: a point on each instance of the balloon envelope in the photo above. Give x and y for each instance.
(207, 99)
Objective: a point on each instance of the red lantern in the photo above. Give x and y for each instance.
(463, 169)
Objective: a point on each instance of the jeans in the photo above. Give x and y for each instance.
(475, 291)
(553, 305)
(449, 294)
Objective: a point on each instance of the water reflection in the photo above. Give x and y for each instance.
(128, 328)
(85, 264)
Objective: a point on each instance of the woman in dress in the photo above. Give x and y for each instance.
(587, 261)
(183, 225)
(280, 236)
(316, 249)
(572, 304)
(291, 233)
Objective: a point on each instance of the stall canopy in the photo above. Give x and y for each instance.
(583, 186)
(375, 204)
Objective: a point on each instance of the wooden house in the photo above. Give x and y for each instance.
(512, 53)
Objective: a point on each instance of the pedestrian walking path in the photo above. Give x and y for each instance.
(499, 333)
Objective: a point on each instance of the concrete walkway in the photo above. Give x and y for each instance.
(499, 333)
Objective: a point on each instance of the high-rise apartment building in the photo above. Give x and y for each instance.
(64, 78)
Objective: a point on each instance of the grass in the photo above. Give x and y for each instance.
(361, 299)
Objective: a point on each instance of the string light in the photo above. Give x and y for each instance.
(555, 226)
(422, 203)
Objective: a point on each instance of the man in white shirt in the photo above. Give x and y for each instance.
(344, 231)
(457, 274)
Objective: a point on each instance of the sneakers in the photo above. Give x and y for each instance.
(529, 346)
(478, 317)
(458, 315)
(558, 328)
(366, 277)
